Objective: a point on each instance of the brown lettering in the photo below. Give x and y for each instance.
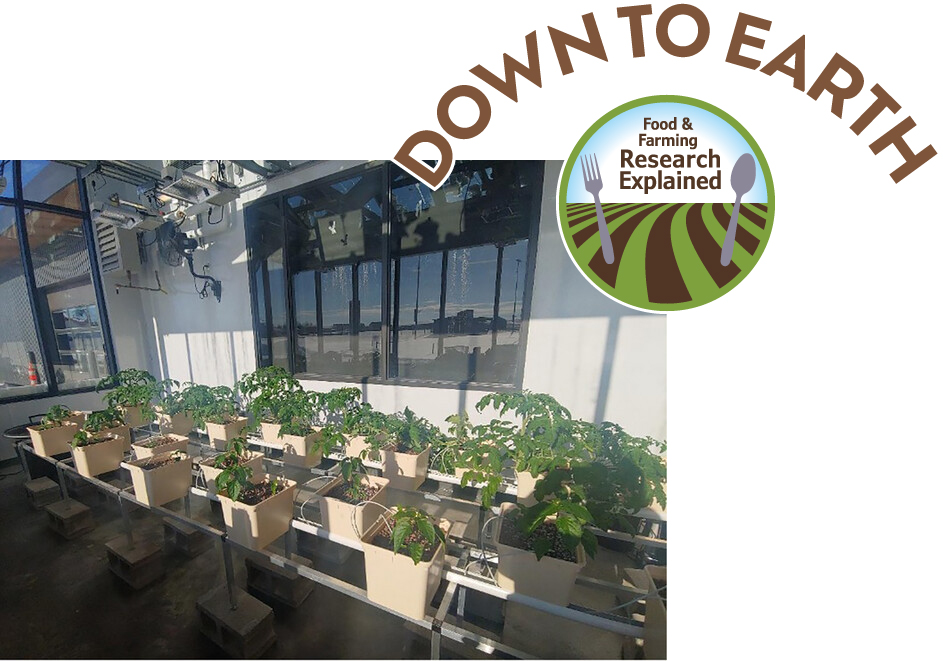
(882, 102)
(703, 30)
(634, 14)
(531, 72)
(484, 112)
(896, 137)
(433, 178)
(824, 83)
(562, 40)
(778, 63)
(741, 38)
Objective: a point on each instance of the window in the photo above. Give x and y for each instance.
(54, 337)
(389, 280)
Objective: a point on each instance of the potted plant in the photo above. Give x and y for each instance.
(53, 435)
(131, 393)
(159, 444)
(174, 406)
(341, 409)
(404, 450)
(366, 430)
(345, 500)
(545, 439)
(108, 421)
(403, 553)
(255, 513)
(96, 453)
(627, 473)
(302, 441)
(237, 453)
(160, 478)
(484, 457)
(556, 530)
(220, 417)
(262, 390)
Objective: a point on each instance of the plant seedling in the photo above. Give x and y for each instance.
(415, 531)
(130, 388)
(55, 417)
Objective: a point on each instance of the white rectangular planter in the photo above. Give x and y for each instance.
(178, 443)
(121, 431)
(98, 458)
(55, 440)
(526, 483)
(211, 472)
(160, 485)
(179, 423)
(133, 416)
(78, 417)
(270, 431)
(394, 581)
(356, 445)
(221, 434)
(297, 449)
(548, 579)
(338, 517)
(405, 471)
(257, 526)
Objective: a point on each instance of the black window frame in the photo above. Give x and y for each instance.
(42, 326)
(386, 295)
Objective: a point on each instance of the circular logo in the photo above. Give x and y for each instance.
(666, 203)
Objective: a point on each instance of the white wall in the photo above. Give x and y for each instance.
(601, 360)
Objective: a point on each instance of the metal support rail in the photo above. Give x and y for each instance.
(456, 579)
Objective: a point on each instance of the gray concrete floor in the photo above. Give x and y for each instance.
(58, 598)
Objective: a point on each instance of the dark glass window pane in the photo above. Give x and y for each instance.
(265, 238)
(6, 178)
(19, 347)
(335, 230)
(52, 183)
(447, 248)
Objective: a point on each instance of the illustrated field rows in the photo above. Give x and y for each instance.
(666, 254)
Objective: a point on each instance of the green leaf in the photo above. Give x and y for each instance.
(577, 510)
(541, 546)
(415, 552)
(426, 529)
(532, 517)
(234, 490)
(590, 543)
(569, 526)
(400, 531)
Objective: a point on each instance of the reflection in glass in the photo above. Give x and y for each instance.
(335, 230)
(459, 264)
(19, 347)
(49, 182)
(265, 237)
(67, 306)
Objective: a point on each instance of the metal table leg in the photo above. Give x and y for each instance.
(230, 578)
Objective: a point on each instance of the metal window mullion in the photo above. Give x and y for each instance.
(111, 359)
(386, 220)
(62, 211)
(290, 326)
(26, 259)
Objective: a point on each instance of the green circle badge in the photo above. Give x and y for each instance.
(666, 203)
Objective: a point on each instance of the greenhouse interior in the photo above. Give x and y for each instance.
(317, 409)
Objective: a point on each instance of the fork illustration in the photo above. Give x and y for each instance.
(593, 182)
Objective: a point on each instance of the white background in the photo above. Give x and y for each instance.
(803, 406)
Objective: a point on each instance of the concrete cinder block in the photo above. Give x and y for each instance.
(185, 538)
(41, 492)
(138, 564)
(244, 633)
(268, 580)
(69, 518)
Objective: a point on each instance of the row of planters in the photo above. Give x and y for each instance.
(571, 474)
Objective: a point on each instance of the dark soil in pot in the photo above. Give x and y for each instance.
(259, 492)
(344, 492)
(512, 536)
(385, 541)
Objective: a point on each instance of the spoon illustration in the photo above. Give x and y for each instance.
(742, 179)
